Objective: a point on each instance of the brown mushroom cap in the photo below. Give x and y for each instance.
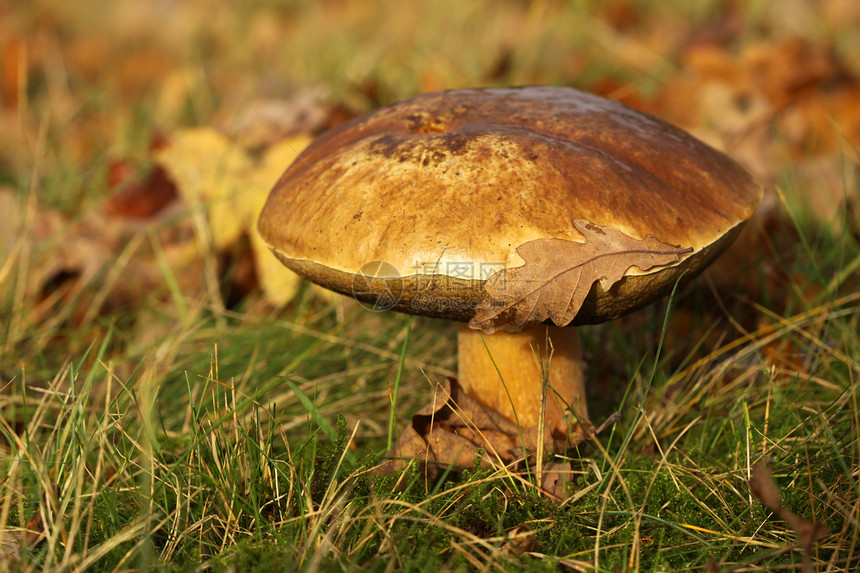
(445, 186)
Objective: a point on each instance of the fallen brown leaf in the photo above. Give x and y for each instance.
(142, 200)
(764, 488)
(268, 121)
(97, 264)
(558, 274)
(455, 429)
(792, 87)
(14, 541)
(554, 478)
(120, 172)
(521, 539)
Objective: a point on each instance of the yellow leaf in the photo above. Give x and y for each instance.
(279, 284)
(208, 171)
(219, 176)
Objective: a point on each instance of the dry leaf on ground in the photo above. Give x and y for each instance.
(555, 476)
(763, 487)
(268, 121)
(521, 539)
(102, 263)
(213, 173)
(772, 97)
(140, 199)
(833, 184)
(558, 275)
(14, 541)
(455, 428)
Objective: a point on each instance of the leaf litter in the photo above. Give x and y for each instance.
(455, 431)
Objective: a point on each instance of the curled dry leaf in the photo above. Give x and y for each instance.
(554, 478)
(455, 427)
(140, 199)
(14, 541)
(558, 275)
(763, 487)
(521, 539)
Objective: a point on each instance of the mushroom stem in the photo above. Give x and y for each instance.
(503, 372)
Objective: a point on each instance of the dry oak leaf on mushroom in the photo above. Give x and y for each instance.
(558, 275)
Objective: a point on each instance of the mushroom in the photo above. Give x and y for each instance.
(517, 212)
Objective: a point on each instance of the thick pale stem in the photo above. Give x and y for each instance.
(504, 372)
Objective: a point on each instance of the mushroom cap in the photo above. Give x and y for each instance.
(425, 199)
